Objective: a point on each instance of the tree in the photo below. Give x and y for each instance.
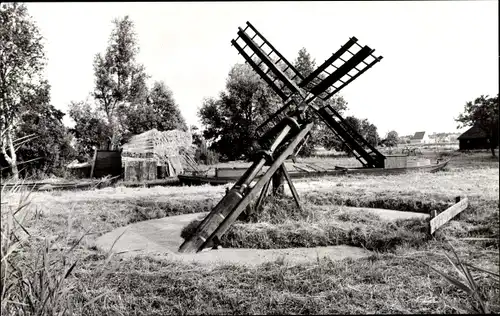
(90, 130)
(483, 113)
(320, 133)
(363, 127)
(197, 135)
(159, 111)
(50, 149)
(231, 119)
(21, 63)
(391, 139)
(119, 79)
(369, 132)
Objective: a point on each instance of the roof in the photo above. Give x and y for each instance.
(418, 135)
(473, 133)
(160, 143)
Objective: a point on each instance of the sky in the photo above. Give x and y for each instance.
(437, 55)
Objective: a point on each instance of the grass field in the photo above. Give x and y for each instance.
(63, 226)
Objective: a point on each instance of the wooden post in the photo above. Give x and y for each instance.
(445, 216)
(278, 182)
(93, 163)
(292, 187)
(457, 199)
(262, 196)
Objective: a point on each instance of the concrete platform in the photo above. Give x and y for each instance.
(161, 237)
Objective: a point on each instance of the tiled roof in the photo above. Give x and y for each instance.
(473, 133)
(418, 135)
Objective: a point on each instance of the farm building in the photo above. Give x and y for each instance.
(420, 138)
(473, 138)
(156, 155)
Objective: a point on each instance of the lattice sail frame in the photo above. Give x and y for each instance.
(343, 67)
(287, 134)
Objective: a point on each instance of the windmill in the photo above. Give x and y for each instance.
(284, 132)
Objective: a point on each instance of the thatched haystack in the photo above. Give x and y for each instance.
(155, 155)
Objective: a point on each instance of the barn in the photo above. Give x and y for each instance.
(156, 155)
(473, 138)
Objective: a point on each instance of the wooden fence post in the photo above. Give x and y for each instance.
(439, 220)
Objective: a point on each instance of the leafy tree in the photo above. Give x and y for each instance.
(304, 63)
(21, 62)
(230, 120)
(391, 139)
(197, 135)
(320, 133)
(90, 130)
(483, 113)
(50, 150)
(119, 79)
(367, 130)
(159, 111)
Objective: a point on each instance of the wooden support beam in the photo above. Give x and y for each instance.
(443, 218)
(238, 198)
(262, 196)
(292, 187)
(278, 182)
(241, 205)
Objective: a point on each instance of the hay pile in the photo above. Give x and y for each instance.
(158, 149)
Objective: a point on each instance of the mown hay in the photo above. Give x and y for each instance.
(163, 148)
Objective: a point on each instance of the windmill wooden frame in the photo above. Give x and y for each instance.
(284, 132)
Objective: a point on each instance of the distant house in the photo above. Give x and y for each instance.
(420, 138)
(473, 138)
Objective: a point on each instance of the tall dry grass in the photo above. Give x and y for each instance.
(33, 277)
(35, 272)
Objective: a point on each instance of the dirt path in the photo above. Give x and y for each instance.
(161, 237)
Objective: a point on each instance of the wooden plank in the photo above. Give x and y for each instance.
(262, 196)
(448, 214)
(316, 167)
(300, 168)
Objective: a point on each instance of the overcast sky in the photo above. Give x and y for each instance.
(437, 55)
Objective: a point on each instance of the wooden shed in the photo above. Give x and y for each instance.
(155, 155)
(473, 138)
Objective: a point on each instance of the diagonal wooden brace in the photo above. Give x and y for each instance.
(292, 187)
(201, 240)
